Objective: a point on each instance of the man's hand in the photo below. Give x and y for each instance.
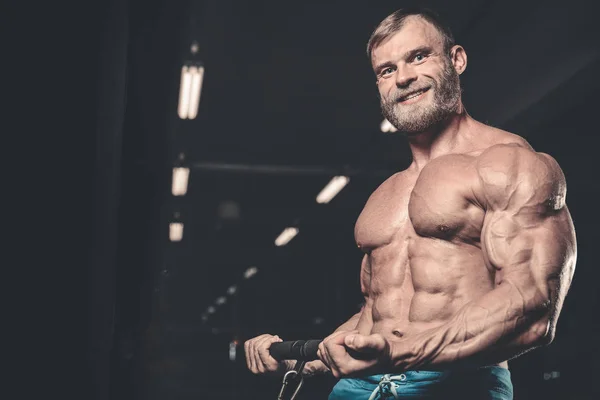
(259, 359)
(348, 353)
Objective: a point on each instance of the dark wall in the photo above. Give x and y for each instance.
(88, 171)
(65, 166)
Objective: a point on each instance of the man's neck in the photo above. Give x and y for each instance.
(443, 139)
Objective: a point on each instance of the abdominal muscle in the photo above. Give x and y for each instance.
(409, 297)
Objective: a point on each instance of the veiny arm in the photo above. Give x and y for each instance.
(529, 239)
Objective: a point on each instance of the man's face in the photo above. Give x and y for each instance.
(418, 84)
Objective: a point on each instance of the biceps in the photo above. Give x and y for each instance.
(536, 254)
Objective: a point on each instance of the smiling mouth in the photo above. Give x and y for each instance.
(412, 95)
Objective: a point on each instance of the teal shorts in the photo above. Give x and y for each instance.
(481, 384)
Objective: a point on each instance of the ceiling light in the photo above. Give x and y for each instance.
(285, 236)
(232, 290)
(180, 181)
(250, 272)
(211, 309)
(175, 231)
(330, 190)
(232, 350)
(189, 91)
(221, 300)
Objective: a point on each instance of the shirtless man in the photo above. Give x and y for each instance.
(468, 253)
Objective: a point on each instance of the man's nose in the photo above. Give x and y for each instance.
(405, 75)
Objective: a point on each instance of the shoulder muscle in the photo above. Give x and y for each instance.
(512, 176)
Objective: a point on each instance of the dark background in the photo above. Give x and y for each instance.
(110, 308)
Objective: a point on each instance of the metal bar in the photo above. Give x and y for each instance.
(258, 169)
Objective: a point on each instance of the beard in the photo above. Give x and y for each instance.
(417, 118)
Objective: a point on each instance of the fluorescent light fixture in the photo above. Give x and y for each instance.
(386, 126)
(232, 289)
(250, 272)
(189, 91)
(175, 231)
(185, 88)
(330, 190)
(285, 236)
(180, 181)
(211, 309)
(232, 350)
(221, 300)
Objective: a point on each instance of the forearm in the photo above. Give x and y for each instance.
(501, 325)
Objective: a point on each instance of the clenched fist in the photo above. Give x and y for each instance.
(348, 353)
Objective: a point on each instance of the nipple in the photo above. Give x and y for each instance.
(443, 228)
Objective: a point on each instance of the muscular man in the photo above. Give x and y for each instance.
(468, 253)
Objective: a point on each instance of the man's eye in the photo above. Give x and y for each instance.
(386, 71)
(420, 57)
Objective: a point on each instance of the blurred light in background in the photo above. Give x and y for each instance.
(551, 375)
(175, 231)
(285, 236)
(232, 350)
(229, 210)
(330, 190)
(386, 126)
(211, 309)
(250, 272)
(180, 181)
(221, 300)
(232, 290)
(189, 91)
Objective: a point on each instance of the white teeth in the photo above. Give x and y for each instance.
(413, 95)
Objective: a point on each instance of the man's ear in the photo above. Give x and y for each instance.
(458, 56)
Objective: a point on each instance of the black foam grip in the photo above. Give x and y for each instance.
(301, 350)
